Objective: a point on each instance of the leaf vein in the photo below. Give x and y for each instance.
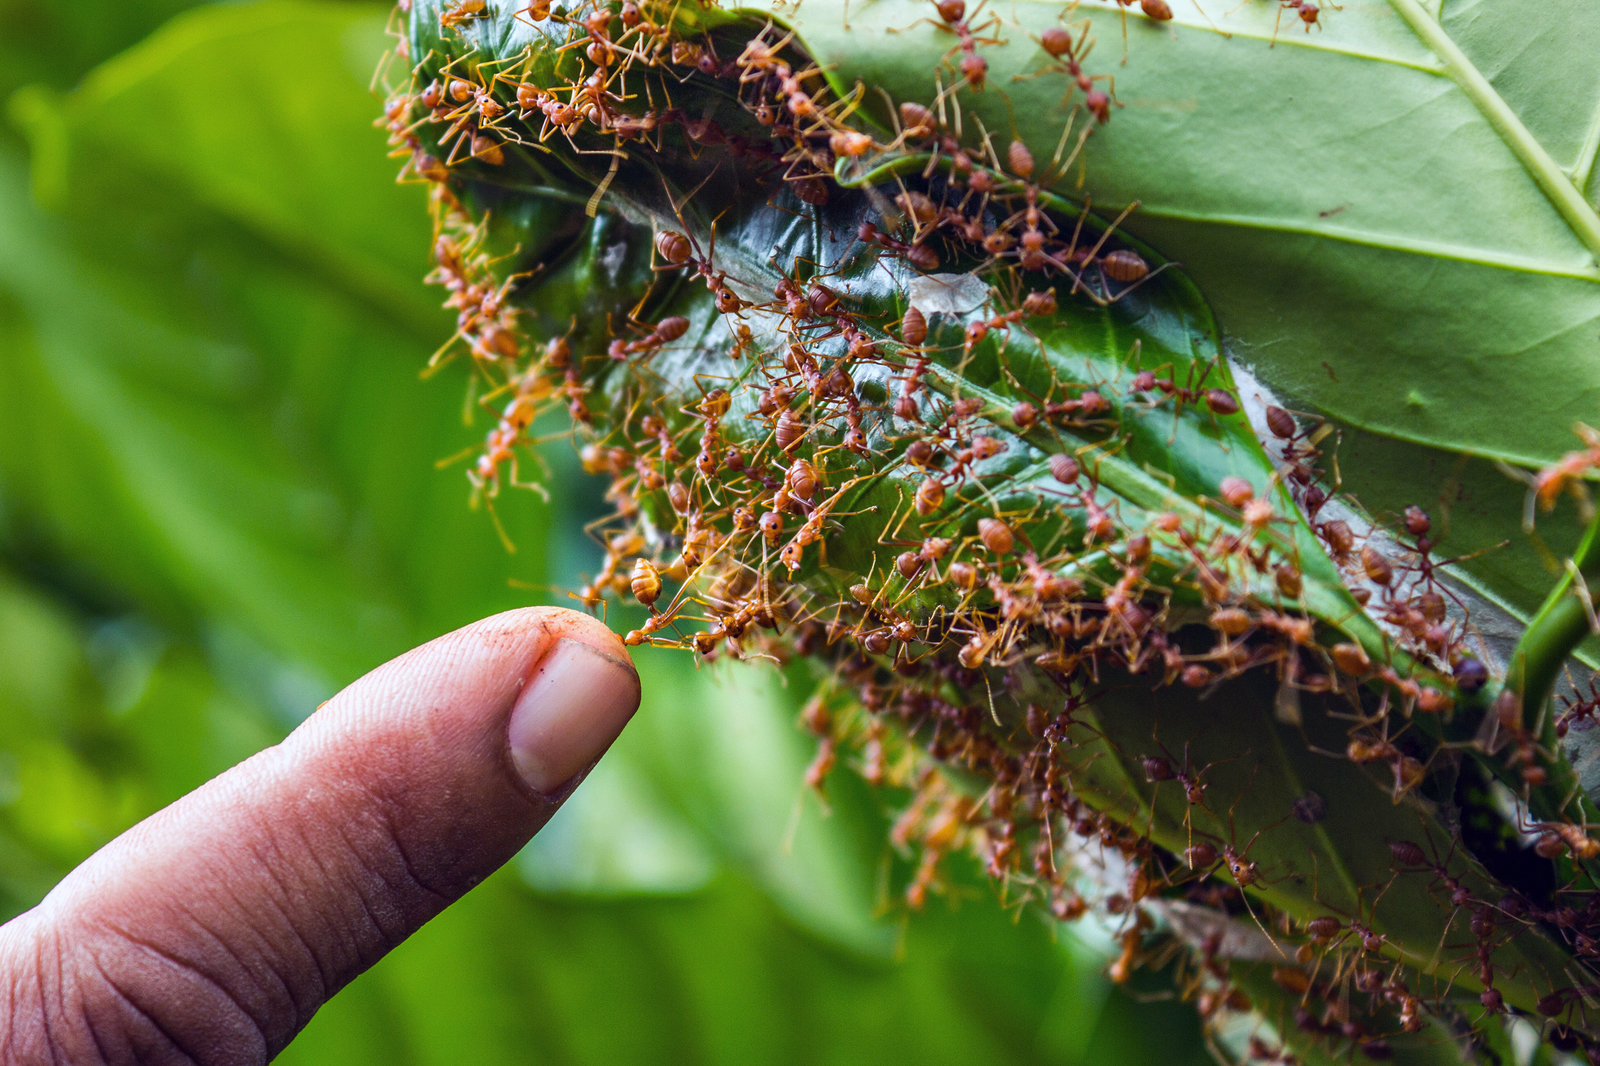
(1393, 242)
(1563, 194)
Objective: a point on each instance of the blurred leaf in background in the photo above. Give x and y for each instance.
(220, 500)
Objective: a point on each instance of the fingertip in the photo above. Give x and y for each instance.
(572, 684)
(486, 664)
(571, 710)
(263, 892)
(565, 623)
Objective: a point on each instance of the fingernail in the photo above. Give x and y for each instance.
(570, 711)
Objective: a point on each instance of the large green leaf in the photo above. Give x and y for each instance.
(56, 44)
(1338, 864)
(761, 233)
(1387, 214)
(1358, 196)
(201, 395)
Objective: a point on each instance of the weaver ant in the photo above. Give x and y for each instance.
(1217, 401)
(1565, 474)
(1309, 13)
(974, 69)
(462, 11)
(1158, 768)
(1068, 55)
(679, 250)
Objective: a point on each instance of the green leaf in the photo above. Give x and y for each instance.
(1314, 225)
(724, 978)
(265, 118)
(56, 44)
(213, 393)
(1386, 213)
(1253, 769)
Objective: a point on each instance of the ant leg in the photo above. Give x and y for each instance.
(1213, 25)
(1095, 251)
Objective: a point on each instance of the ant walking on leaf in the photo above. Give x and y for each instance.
(1245, 873)
(1310, 15)
(1067, 53)
(1566, 474)
(462, 12)
(682, 250)
(1159, 768)
(974, 69)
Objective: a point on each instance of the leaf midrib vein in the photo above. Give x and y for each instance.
(1562, 193)
(1393, 242)
(1562, 187)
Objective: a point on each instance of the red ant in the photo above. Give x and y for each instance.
(759, 59)
(1309, 14)
(1193, 391)
(1578, 713)
(918, 254)
(1245, 874)
(1121, 265)
(536, 11)
(977, 332)
(531, 393)
(1408, 772)
(1030, 252)
(1158, 769)
(462, 11)
(953, 19)
(929, 551)
(679, 249)
(473, 114)
(601, 49)
(665, 332)
(1300, 453)
(1058, 43)
(1565, 474)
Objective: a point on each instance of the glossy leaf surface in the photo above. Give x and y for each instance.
(1392, 215)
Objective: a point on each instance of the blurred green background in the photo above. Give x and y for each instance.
(219, 502)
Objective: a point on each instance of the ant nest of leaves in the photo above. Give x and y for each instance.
(974, 453)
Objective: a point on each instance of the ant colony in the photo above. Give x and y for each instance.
(870, 393)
